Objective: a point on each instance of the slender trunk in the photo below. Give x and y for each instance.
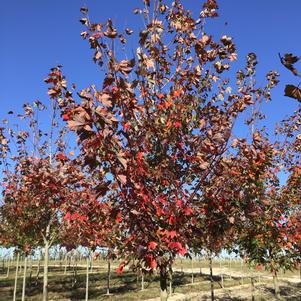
(300, 270)
(87, 279)
(276, 285)
(66, 261)
(253, 288)
(163, 284)
(74, 268)
(20, 267)
(91, 263)
(211, 278)
(16, 277)
(24, 278)
(46, 260)
(192, 275)
(222, 280)
(182, 266)
(108, 277)
(45, 274)
(142, 280)
(8, 266)
(242, 271)
(30, 270)
(38, 271)
(170, 279)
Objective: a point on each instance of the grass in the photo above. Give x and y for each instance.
(125, 287)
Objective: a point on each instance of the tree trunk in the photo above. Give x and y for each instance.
(276, 285)
(163, 284)
(74, 268)
(24, 278)
(38, 271)
(20, 266)
(30, 270)
(8, 266)
(211, 279)
(87, 280)
(170, 279)
(253, 288)
(142, 280)
(108, 277)
(192, 275)
(45, 274)
(91, 264)
(66, 262)
(16, 277)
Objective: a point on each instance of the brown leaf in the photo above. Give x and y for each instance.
(122, 178)
(122, 160)
(231, 219)
(84, 21)
(111, 32)
(288, 61)
(84, 10)
(204, 165)
(293, 92)
(106, 116)
(104, 99)
(128, 31)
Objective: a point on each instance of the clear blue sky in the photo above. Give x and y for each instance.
(36, 35)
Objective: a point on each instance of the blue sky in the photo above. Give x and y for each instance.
(36, 35)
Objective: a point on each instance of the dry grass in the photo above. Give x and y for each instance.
(127, 287)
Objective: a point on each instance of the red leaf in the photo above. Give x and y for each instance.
(61, 156)
(152, 263)
(175, 245)
(119, 270)
(140, 155)
(75, 216)
(177, 124)
(66, 117)
(118, 218)
(188, 211)
(126, 126)
(82, 218)
(67, 216)
(178, 93)
(171, 234)
(182, 251)
(152, 245)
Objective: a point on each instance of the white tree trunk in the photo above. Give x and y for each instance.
(8, 266)
(46, 262)
(192, 274)
(24, 278)
(87, 280)
(16, 277)
(108, 277)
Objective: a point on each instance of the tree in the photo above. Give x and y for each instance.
(40, 183)
(159, 129)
